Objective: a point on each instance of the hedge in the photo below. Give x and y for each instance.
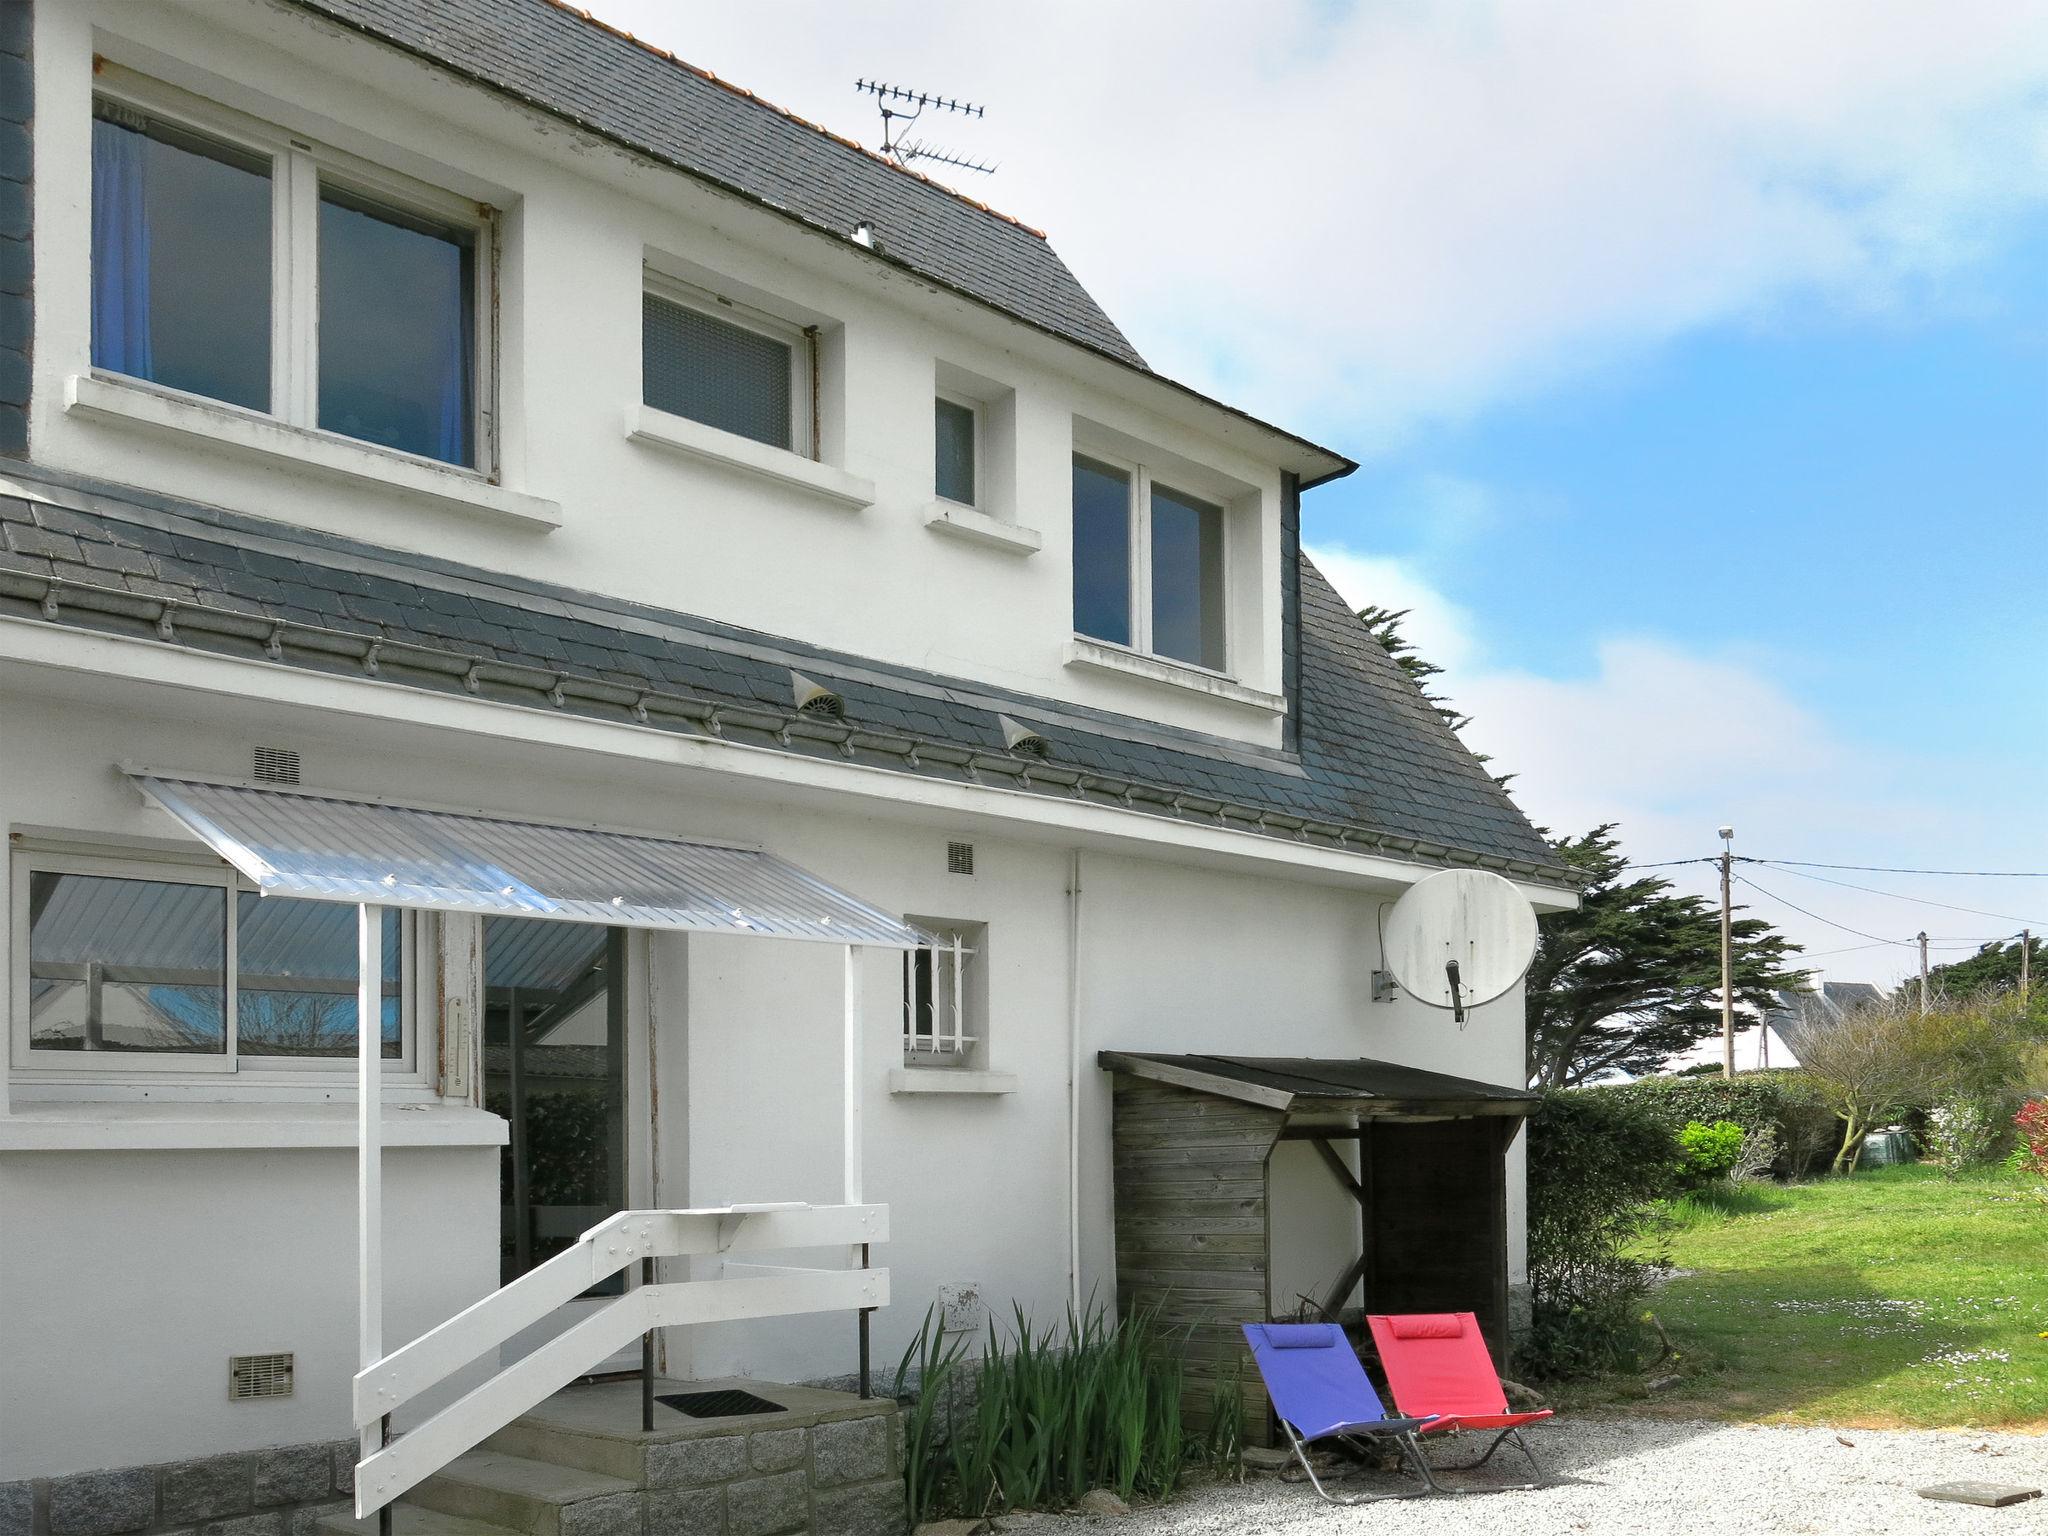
(1784, 1099)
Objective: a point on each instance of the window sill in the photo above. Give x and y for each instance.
(952, 1080)
(777, 466)
(963, 522)
(263, 438)
(1095, 656)
(107, 1127)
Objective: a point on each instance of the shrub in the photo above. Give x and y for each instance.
(1597, 1163)
(1963, 1133)
(2032, 1124)
(1758, 1152)
(1708, 1152)
(1786, 1101)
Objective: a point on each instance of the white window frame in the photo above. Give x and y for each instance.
(801, 340)
(1139, 511)
(195, 870)
(978, 412)
(960, 979)
(297, 166)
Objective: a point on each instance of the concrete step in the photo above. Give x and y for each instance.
(622, 1454)
(411, 1520)
(534, 1498)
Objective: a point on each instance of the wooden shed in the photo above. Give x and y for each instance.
(1252, 1188)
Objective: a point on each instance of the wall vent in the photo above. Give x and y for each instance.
(256, 1376)
(959, 858)
(277, 765)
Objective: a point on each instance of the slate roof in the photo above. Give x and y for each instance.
(563, 62)
(1377, 769)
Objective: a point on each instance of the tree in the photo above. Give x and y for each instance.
(1997, 964)
(1633, 976)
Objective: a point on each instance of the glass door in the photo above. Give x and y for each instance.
(554, 1067)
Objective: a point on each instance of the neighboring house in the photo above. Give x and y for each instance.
(1774, 1042)
(489, 506)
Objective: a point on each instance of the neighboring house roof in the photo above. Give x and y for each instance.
(1798, 1014)
(566, 63)
(1377, 771)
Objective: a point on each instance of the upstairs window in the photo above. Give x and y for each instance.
(735, 371)
(149, 966)
(956, 434)
(233, 263)
(180, 258)
(1148, 565)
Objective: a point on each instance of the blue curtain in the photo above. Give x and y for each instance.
(451, 431)
(120, 251)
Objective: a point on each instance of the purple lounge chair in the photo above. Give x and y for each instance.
(1320, 1392)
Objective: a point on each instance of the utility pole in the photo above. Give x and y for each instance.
(1922, 936)
(1727, 959)
(2026, 963)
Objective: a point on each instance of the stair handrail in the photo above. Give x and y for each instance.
(389, 1385)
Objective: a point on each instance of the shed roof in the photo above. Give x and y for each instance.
(1324, 1084)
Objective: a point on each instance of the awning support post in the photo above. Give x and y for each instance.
(370, 1168)
(852, 1127)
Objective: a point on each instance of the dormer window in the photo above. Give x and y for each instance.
(1148, 565)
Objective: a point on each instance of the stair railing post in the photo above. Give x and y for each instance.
(647, 1360)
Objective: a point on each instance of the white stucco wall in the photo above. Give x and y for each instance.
(582, 220)
(741, 1038)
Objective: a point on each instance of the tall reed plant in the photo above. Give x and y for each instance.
(1095, 1403)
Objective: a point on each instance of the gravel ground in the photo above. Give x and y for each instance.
(1646, 1475)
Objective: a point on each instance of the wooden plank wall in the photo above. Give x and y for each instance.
(1191, 1230)
(1439, 1220)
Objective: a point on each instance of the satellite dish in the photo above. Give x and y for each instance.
(1459, 938)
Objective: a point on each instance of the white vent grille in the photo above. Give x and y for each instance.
(277, 765)
(254, 1376)
(959, 858)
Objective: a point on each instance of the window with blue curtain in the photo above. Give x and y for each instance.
(1102, 551)
(180, 258)
(397, 328)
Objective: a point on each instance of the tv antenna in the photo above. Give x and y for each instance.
(901, 107)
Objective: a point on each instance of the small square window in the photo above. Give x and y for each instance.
(956, 426)
(945, 996)
(732, 377)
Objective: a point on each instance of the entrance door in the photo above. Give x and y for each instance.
(554, 1067)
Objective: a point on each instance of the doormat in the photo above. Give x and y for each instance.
(731, 1403)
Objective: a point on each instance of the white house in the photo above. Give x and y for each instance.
(775, 685)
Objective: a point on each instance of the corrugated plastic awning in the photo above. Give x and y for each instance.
(1340, 1085)
(327, 847)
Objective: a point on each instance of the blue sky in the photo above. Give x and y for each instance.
(1696, 356)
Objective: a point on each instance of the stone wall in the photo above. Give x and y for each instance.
(283, 1491)
(840, 1477)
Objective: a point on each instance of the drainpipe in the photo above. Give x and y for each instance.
(1074, 1081)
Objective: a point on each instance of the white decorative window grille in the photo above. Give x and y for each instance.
(945, 996)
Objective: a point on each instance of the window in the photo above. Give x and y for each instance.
(945, 996)
(230, 262)
(737, 372)
(156, 966)
(1170, 603)
(956, 425)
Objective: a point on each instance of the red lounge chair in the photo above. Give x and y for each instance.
(1437, 1363)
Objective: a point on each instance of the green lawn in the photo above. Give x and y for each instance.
(1892, 1297)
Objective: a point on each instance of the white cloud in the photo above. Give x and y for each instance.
(1356, 217)
(1671, 743)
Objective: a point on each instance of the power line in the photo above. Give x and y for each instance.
(1875, 938)
(1900, 869)
(1923, 901)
